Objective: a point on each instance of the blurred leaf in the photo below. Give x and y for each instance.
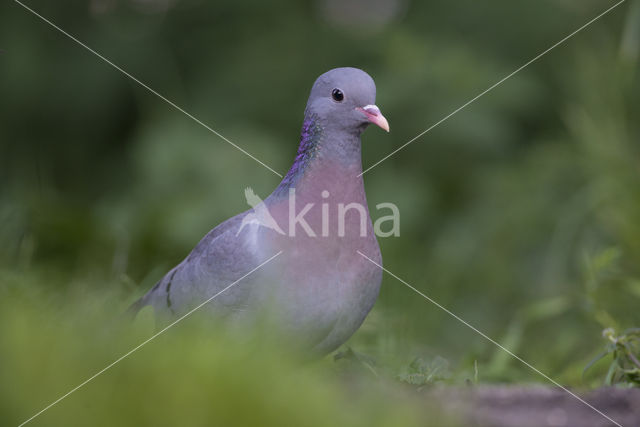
(630, 45)
(421, 372)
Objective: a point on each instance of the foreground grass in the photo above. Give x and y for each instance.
(192, 375)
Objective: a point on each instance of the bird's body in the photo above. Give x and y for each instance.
(321, 287)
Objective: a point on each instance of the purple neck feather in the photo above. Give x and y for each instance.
(310, 139)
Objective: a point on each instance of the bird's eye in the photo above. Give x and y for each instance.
(337, 95)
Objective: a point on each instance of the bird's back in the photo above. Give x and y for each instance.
(217, 260)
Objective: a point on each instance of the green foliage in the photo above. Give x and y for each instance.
(624, 350)
(421, 372)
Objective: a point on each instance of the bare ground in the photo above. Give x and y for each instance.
(510, 406)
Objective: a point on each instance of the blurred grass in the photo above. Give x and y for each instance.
(520, 214)
(193, 374)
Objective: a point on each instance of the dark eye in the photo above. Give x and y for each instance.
(337, 95)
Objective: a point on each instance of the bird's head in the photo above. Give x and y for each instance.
(344, 98)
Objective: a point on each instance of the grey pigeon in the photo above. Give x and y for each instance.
(321, 287)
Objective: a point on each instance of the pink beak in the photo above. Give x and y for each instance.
(374, 116)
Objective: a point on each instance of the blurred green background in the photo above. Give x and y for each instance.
(521, 213)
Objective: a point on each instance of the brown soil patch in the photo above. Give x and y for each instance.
(540, 406)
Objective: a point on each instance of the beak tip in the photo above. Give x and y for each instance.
(384, 124)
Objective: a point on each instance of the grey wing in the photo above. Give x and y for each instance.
(215, 262)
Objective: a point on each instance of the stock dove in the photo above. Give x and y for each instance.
(321, 287)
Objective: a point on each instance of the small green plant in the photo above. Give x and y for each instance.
(421, 372)
(625, 352)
